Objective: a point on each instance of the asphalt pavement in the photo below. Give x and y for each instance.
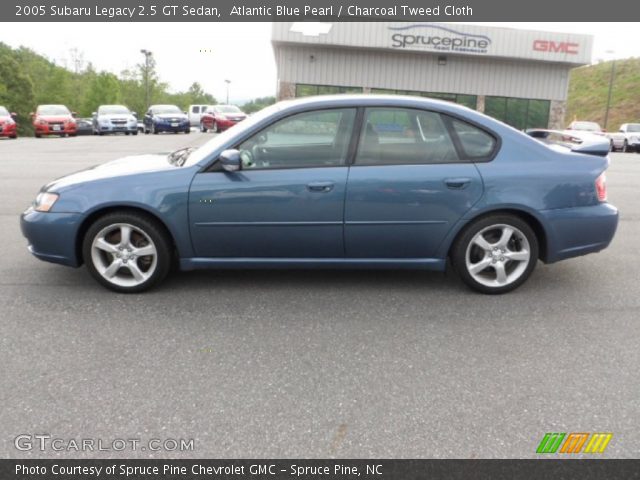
(287, 364)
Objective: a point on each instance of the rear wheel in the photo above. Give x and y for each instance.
(625, 146)
(495, 254)
(127, 252)
(216, 128)
(203, 129)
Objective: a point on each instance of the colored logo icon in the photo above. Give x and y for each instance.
(574, 442)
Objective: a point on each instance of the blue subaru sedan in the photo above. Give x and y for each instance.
(361, 181)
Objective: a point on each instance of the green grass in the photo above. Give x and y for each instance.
(588, 89)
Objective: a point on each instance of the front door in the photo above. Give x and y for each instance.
(287, 201)
(409, 183)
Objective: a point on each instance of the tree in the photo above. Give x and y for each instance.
(16, 91)
(258, 104)
(104, 89)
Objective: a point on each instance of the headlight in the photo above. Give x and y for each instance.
(45, 201)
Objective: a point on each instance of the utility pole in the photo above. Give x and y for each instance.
(611, 78)
(147, 60)
(227, 82)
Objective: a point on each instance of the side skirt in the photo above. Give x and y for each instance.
(197, 263)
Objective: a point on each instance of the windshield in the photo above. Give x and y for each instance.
(4, 112)
(216, 142)
(632, 127)
(228, 109)
(586, 126)
(53, 110)
(165, 109)
(113, 110)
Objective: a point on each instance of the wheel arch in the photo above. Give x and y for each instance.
(526, 216)
(94, 215)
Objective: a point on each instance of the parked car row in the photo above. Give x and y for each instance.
(342, 182)
(108, 119)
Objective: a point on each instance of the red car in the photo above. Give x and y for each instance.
(7, 123)
(54, 120)
(221, 117)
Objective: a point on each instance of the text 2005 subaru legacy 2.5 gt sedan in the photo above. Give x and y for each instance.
(345, 181)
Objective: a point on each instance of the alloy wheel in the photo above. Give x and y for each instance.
(498, 255)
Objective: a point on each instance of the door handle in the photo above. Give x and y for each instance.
(457, 183)
(320, 186)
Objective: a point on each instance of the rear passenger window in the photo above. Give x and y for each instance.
(396, 136)
(195, 109)
(476, 143)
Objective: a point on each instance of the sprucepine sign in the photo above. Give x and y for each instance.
(436, 37)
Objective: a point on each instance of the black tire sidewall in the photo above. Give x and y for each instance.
(459, 250)
(151, 228)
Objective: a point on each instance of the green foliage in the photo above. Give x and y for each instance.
(258, 104)
(28, 79)
(589, 88)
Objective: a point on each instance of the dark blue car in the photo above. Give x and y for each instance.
(346, 181)
(165, 118)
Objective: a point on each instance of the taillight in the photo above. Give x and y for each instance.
(601, 187)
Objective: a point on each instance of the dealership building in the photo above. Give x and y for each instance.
(518, 76)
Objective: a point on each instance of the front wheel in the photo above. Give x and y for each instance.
(127, 252)
(625, 146)
(495, 254)
(203, 129)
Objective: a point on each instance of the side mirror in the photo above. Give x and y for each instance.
(135, 114)
(14, 115)
(185, 112)
(604, 130)
(74, 114)
(230, 160)
(94, 114)
(32, 114)
(621, 130)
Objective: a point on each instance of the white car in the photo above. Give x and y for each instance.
(195, 112)
(630, 133)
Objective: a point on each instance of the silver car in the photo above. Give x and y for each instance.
(114, 119)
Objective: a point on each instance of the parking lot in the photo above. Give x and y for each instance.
(312, 363)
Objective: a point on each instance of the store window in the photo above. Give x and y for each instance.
(520, 113)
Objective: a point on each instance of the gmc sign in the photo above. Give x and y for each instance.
(555, 47)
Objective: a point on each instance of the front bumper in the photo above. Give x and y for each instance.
(169, 127)
(50, 130)
(51, 236)
(110, 128)
(572, 232)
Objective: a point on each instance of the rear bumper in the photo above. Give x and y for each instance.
(51, 236)
(572, 232)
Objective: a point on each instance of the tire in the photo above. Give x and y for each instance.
(625, 147)
(612, 147)
(110, 261)
(73, 134)
(13, 137)
(153, 130)
(38, 135)
(216, 128)
(134, 133)
(484, 243)
(187, 131)
(203, 129)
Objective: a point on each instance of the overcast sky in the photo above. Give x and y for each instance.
(209, 53)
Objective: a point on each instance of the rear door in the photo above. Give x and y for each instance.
(411, 181)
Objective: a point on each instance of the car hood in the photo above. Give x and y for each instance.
(169, 116)
(54, 118)
(117, 168)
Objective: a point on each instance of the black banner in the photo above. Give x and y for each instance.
(313, 10)
(542, 469)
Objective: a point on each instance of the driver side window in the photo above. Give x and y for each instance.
(306, 140)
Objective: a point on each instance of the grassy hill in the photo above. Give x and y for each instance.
(588, 88)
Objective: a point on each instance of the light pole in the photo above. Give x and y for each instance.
(147, 58)
(611, 78)
(227, 82)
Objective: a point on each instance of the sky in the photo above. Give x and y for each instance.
(210, 53)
